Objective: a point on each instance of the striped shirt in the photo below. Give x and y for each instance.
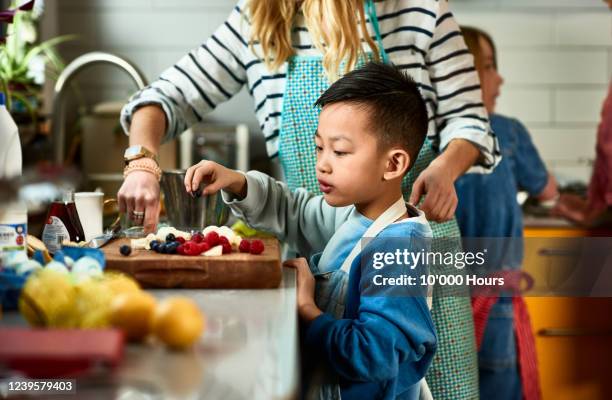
(419, 36)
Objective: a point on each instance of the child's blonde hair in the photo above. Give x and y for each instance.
(333, 25)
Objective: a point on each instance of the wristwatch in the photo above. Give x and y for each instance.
(135, 152)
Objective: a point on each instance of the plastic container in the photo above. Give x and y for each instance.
(10, 145)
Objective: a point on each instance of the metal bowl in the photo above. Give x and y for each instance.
(189, 213)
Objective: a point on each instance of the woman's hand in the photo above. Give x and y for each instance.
(139, 194)
(216, 177)
(438, 186)
(307, 308)
(437, 181)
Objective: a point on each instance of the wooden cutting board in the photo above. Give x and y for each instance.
(229, 271)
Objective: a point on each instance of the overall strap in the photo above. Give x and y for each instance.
(371, 11)
(385, 219)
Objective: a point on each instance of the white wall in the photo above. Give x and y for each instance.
(556, 59)
(555, 56)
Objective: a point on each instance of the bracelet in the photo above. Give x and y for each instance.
(143, 164)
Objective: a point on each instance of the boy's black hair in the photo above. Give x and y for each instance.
(397, 111)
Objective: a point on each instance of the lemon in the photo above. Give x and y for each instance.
(178, 322)
(46, 299)
(132, 312)
(120, 283)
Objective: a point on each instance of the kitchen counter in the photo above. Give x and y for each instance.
(532, 221)
(249, 351)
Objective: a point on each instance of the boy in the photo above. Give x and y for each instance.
(376, 340)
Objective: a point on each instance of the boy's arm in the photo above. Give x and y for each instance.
(529, 168)
(300, 218)
(393, 327)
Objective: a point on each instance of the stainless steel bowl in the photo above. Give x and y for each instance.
(186, 212)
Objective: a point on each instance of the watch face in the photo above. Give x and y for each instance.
(133, 151)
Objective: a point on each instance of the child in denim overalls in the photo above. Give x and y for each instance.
(372, 341)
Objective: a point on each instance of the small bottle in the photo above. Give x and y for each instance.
(13, 228)
(63, 224)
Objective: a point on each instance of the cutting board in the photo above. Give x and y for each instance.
(229, 271)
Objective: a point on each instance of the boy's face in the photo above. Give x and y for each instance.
(349, 166)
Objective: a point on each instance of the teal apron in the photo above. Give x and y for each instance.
(453, 373)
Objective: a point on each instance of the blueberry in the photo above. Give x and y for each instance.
(163, 248)
(172, 248)
(125, 250)
(170, 238)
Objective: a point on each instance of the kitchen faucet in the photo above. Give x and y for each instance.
(58, 130)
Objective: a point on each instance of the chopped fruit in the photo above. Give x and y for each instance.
(223, 240)
(212, 238)
(215, 251)
(245, 246)
(197, 237)
(180, 239)
(203, 247)
(170, 237)
(227, 248)
(125, 250)
(257, 246)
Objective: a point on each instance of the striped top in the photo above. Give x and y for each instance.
(419, 36)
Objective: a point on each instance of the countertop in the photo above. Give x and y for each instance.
(249, 351)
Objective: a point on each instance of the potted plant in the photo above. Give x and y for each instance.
(24, 61)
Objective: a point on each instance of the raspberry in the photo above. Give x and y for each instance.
(181, 249)
(202, 247)
(180, 239)
(212, 238)
(223, 240)
(227, 248)
(245, 246)
(190, 249)
(197, 237)
(257, 246)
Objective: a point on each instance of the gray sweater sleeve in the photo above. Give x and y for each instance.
(300, 218)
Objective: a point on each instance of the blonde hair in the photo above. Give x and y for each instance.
(334, 25)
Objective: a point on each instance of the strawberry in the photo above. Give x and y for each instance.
(257, 246)
(180, 239)
(245, 246)
(197, 237)
(212, 238)
(181, 249)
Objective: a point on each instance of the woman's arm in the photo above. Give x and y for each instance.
(184, 93)
(465, 137)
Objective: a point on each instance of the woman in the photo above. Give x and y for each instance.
(488, 209)
(287, 53)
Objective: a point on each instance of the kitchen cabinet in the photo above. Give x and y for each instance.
(573, 334)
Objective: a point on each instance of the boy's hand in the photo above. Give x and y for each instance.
(216, 177)
(307, 308)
